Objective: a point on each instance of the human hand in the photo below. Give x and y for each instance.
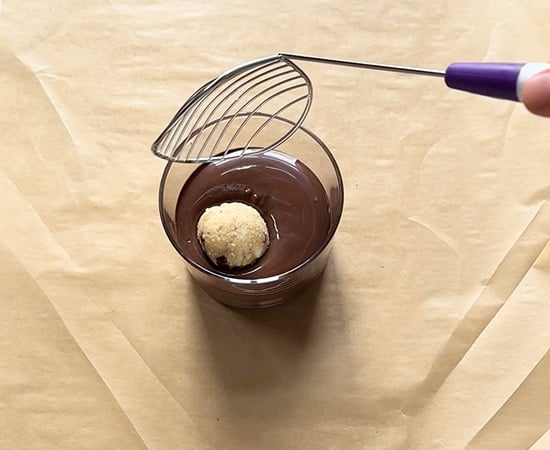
(536, 94)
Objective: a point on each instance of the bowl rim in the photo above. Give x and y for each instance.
(274, 278)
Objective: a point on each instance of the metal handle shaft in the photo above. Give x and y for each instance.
(364, 65)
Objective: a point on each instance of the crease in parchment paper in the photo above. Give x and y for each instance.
(58, 257)
(440, 235)
(539, 195)
(162, 423)
(486, 304)
(539, 221)
(501, 144)
(485, 378)
(58, 111)
(34, 375)
(543, 443)
(40, 130)
(48, 95)
(514, 415)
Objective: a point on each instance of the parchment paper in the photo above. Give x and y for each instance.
(430, 327)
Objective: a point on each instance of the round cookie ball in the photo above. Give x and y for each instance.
(232, 234)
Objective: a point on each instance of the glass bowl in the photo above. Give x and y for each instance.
(246, 288)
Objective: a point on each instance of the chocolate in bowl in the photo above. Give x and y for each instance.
(288, 195)
(297, 189)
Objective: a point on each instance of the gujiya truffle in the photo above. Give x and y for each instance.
(232, 234)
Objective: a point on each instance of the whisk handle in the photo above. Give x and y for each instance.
(498, 80)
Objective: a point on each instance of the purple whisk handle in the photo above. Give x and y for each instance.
(491, 79)
(499, 80)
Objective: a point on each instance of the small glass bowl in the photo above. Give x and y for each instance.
(268, 291)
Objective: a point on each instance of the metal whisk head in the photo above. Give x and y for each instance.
(220, 120)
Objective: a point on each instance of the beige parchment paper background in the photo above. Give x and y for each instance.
(431, 326)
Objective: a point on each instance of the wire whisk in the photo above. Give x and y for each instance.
(215, 122)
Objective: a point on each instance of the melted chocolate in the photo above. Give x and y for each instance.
(289, 196)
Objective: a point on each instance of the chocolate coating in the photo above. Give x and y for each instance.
(289, 196)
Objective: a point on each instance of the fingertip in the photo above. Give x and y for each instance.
(536, 94)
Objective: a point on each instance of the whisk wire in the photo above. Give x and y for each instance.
(259, 95)
(267, 121)
(253, 113)
(233, 87)
(239, 98)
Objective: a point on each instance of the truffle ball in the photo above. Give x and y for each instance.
(232, 234)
